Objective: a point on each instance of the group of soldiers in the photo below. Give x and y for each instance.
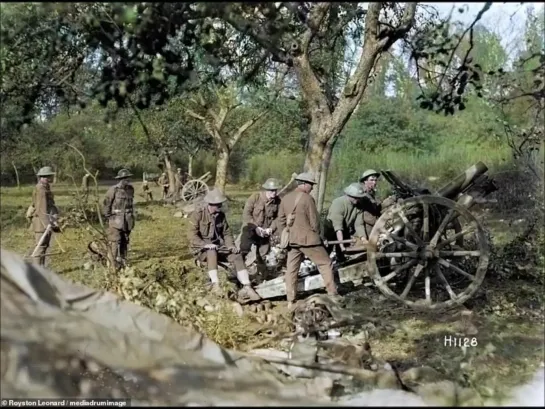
(292, 220)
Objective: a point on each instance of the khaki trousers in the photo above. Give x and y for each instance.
(42, 250)
(212, 257)
(318, 255)
(119, 242)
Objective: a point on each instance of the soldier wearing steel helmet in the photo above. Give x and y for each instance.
(371, 206)
(164, 183)
(298, 214)
(43, 213)
(210, 233)
(345, 218)
(118, 209)
(259, 220)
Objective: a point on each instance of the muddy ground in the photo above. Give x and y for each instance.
(506, 317)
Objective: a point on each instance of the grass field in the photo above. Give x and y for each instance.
(507, 314)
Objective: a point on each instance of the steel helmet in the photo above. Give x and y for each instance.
(214, 197)
(45, 171)
(354, 190)
(271, 184)
(123, 174)
(369, 172)
(306, 177)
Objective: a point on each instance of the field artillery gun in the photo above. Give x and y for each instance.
(427, 251)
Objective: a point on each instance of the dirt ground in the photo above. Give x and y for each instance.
(506, 313)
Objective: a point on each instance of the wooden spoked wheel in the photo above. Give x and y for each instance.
(193, 190)
(428, 252)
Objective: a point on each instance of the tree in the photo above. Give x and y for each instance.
(227, 120)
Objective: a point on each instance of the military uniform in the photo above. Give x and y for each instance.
(43, 213)
(370, 205)
(208, 232)
(164, 183)
(118, 209)
(259, 220)
(148, 195)
(345, 216)
(304, 237)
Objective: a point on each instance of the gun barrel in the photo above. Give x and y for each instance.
(462, 181)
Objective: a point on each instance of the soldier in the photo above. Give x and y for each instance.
(259, 220)
(85, 186)
(179, 180)
(299, 215)
(371, 206)
(118, 209)
(44, 213)
(209, 231)
(148, 195)
(345, 219)
(164, 183)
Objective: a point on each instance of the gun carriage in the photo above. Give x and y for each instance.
(427, 251)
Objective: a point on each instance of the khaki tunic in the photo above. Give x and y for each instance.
(206, 228)
(372, 209)
(261, 212)
(163, 181)
(306, 229)
(118, 207)
(44, 205)
(347, 217)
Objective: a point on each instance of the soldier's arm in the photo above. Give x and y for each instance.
(336, 216)
(228, 235)
(247, 215)
(194, 234)
(359, 225)
(312, 214)
(281, 220)
(107, 203)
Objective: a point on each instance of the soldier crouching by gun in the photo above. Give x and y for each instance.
(371, 206)
(118, 209)
(43, 213)
(209, 234)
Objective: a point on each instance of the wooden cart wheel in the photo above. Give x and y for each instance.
(193, 190)
(437, 259)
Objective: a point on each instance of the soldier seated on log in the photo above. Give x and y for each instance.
(345, 219)
(209, 234)
(259, 220)
(371, 206)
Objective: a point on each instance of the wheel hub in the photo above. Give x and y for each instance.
(427, 253)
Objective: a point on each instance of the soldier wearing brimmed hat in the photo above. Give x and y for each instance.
(371, 206)
(298, 214)
(118, 209)
(164, 183)
(212, 241)
(259, 220)
(345, 219)
(43, 212)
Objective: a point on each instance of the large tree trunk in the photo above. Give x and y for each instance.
(222, 165)
(170, 173)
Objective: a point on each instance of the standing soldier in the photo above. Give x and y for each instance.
(259, 220)
(43, 213)
(178, 177)
(299, 215)
(164, 183)
(209, 231)
(85, 186)
(345, 219)
(119, 211)
(371, 206)
(148, 195)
